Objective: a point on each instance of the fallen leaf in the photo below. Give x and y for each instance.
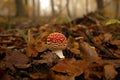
(14, 59)
(97, 40)
(70, 41)
(74, 47)
(31, 39)
(61, 77)
(38, 75)
(107, 37)
(22, 66)
(109, 72)
(40, 46)
(70, 66)
(31, 51)
(94, 71)
(115, 42)
(3, 49)
(48, 57)
(75, 51)
(42, 28)
(102, 38)
(44, 36)
(88, 52)
(5, 76)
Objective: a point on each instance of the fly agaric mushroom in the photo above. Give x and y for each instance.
(57, 42)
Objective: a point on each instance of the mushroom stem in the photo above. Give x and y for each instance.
(59, 53)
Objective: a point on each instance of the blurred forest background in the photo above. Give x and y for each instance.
(72, 9)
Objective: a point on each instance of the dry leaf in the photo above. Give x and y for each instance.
(116, 42)
(40, 46)
(102, 38)
(44, 35)
(88, 52)
(38, 75)
(74, 47)
(70, 41)
(75, 51)
(22, 66)
(31, 51)
(3, 49)
(31, 39)
(14, 59)
(94, 71)
(110, 72)
(48, 58)
(70, 66)
(5, 76)
(107, 36)
(42, 28)
(61, 77)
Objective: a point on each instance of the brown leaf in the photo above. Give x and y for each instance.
(37, 45)
(75, 51)
(70, 41)
(116, 42)
(38, 75)
(48, 58)
(14, 59)
(19, 42)
(6, 42)
(94, 71)
(107, 36)
(71, 67)
(31, 39)
(44, 35)
(88, 52)
(115, 62)
(40, 46)
(5, 76)
(43, 28)
(74, 47)
(61, 77)
(22, 66)
(31, 51)
(3, 49)
(98, 40)
(109, 72)
(102, 38)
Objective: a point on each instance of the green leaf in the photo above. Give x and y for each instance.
(112, 21)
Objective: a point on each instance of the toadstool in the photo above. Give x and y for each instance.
(57, 42)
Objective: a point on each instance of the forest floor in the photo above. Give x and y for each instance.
(92, 52)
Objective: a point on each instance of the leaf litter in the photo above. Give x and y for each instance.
(92, 53)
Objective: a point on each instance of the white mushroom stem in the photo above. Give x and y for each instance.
(59, 53)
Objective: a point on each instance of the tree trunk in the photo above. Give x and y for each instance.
(38, 8)
(33, 11)
(87, 6)
(117, 8)
(67, 6)
(100, 4)
(52, 6)
(20, 11)
(26, 2)
(26, 8)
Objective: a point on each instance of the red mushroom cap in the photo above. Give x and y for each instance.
(56, 41)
